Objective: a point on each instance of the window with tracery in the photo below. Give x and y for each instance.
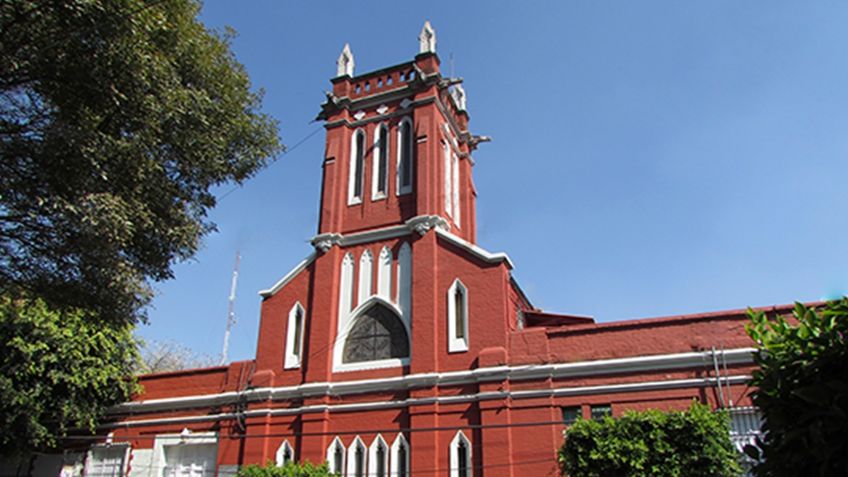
(377, 334)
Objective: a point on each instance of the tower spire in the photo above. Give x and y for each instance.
(345, 63)
(427, 39)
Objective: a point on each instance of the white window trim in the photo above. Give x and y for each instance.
(448, 189)
(89, 456)
(455, 344)
(186, 437)
(366, 276)
(338, 348)
(351, 457)
(281, 452)
(331, 451)
(400, 439)
(455, 183)
(454, 458)
(372, 456)
(293, 360)
(381, 129)
(351, 198)
(399, 190)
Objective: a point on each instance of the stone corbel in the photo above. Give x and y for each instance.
(424, 223)
(324, 242)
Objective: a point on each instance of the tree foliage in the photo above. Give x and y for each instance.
(290, 469)
(802, 390)
(116, 119)
(58, 370)
(651, 444)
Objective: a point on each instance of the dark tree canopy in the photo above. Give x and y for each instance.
(802, 390)
(116, 119)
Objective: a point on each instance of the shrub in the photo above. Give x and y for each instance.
(291, 469)
(651, 443)
(802, 390)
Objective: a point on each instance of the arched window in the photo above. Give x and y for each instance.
(448, 174)
(285, 453)
(457, 317)
(357, 167)
(378, 458)
(356, 458)
(294, 337)
(400, 457)
(460, 456)
(405, 153)
(455, 182)
(377, 334)
(380, 170)
(336, 456)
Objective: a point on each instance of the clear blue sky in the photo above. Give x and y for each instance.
(649, 158)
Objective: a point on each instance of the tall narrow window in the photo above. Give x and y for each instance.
(462, 459)
(455, 182)
(380, 170)
(400, 457)
(378, 458)
(335, 456)
(459, 306)
(294, 337)
(359, 459)
(405, 152)
(285, 453)
(356, 458)
(448, 172)
(457, 317)
(357, 166)
(460, 456)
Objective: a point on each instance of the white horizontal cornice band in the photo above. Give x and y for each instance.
(693, 359)
(459, 399)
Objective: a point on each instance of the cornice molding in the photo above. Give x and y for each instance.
(477, 251)
(289, 276)
(695, 359)
(455, 399)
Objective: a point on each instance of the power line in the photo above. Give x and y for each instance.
(287, 151)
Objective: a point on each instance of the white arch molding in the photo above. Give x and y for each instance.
(338, 347)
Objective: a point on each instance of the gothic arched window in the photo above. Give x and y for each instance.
(405, 151)
(376, 334)
(380, 170)
(357, 167)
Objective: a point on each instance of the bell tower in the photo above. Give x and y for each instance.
(398, 149)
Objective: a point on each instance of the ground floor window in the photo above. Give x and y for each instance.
(106, 461)
(460, 456)
(190, 460)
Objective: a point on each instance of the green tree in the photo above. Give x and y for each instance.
(117, 117)
(291, 469)
(694, 443)
(58, 370)
(802, 390)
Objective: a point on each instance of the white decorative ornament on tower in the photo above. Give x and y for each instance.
(427, 39)
(345, 63)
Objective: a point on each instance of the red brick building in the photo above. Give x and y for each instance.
(402, 347)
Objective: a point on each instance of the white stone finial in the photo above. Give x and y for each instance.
(458, 94)
(344, 65)
(427, 39)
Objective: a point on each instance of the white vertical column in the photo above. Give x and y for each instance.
(405, 280)
(455, 190)
(345, 291)
(384, 274)
(365, 277)
(448, 188)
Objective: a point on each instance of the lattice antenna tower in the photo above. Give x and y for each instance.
(231, 310)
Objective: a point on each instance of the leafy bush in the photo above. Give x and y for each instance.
(58, 370)
(291, 469)
(802, 390)
(652, 443)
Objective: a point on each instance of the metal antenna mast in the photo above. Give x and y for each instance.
(231, 312)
